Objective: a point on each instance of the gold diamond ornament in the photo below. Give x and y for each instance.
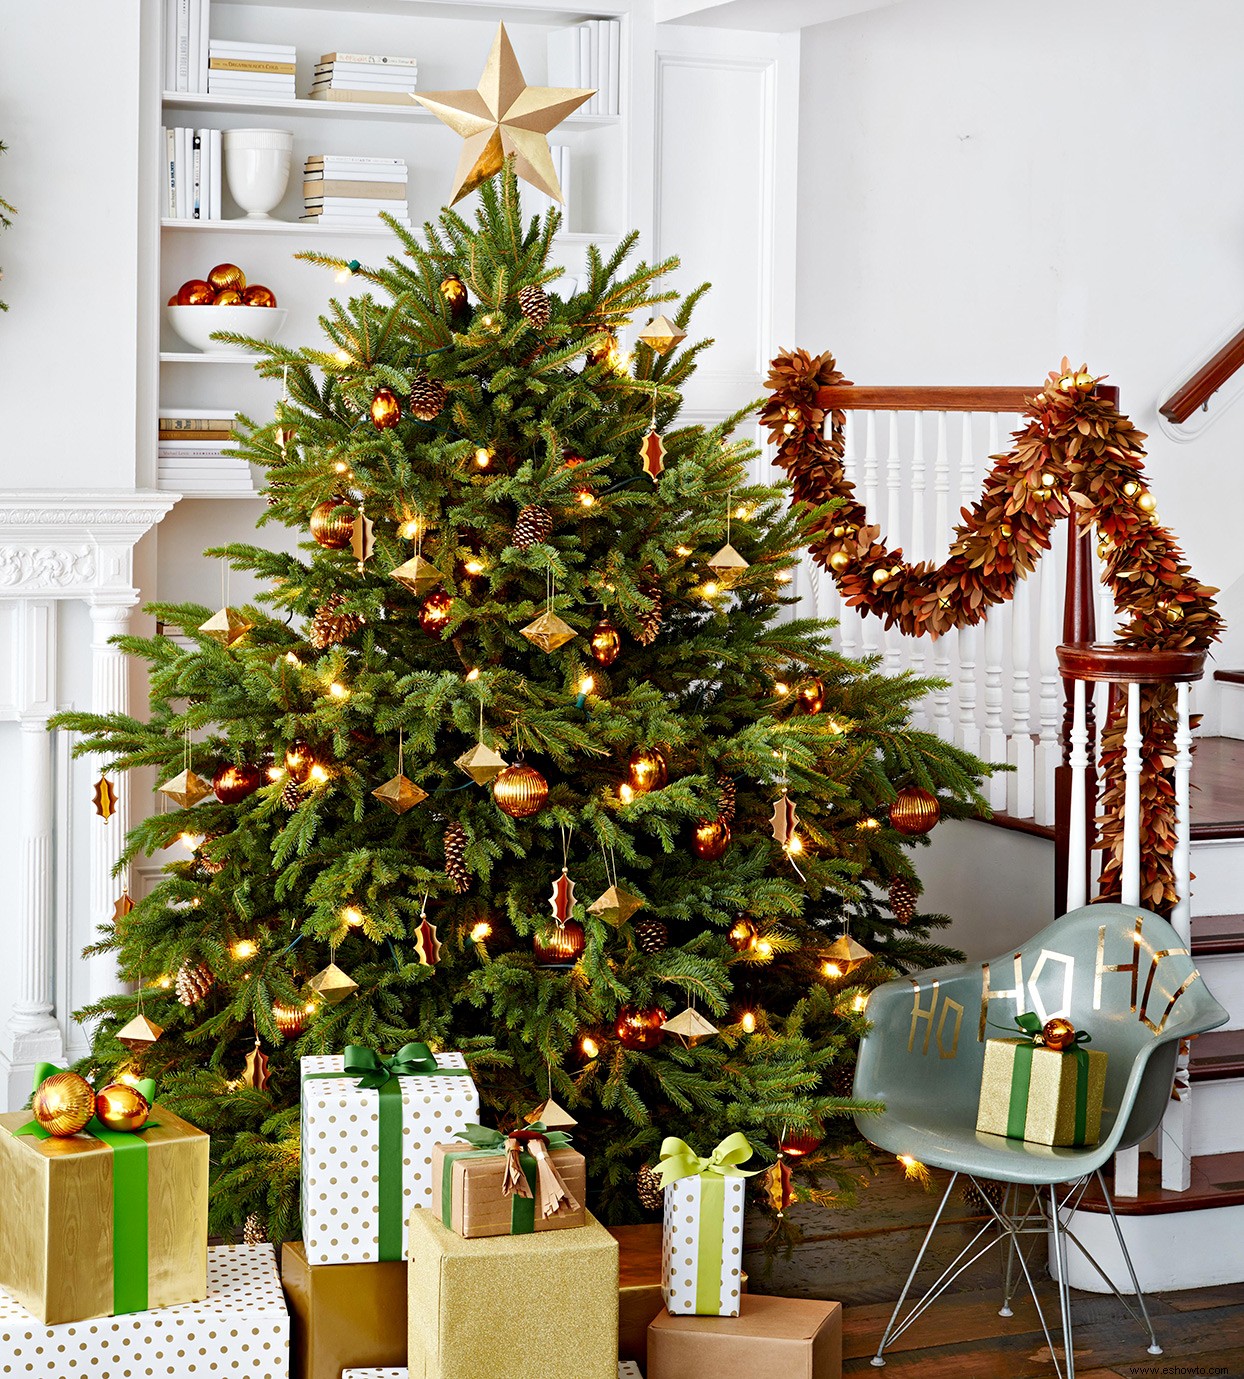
(846, 953)
(661, 336)
(400, 794)
(552, 1116)
(615, 906)
(727, 565)
(332, 985)
(226, 627)
(548, 632)
(139, 1033)
(418, 575)
(689, 1026)
(186, 789)
(482, 764)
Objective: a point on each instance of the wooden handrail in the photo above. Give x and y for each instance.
(849, 397)
(1205, 382)
(1123, 665)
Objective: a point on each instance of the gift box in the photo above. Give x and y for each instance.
(241, 1328)
(510, 1306)
(702, 1235)
(493, 1184)
(771, 1338)
(1049, 1096)
(369, 1125)
(103, 1222)
(625, 1371)
(343, 1314)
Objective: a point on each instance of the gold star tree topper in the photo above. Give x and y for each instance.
(504, 116)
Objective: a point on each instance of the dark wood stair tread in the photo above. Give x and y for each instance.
(1217, 1181)
(1230, 677)
(1217, 935)
(1216, 1056)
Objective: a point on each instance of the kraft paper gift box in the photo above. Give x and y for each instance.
(474, 1183)
(1044, 1095)
(343, 1315)
(99, 1224)
(625, 1371)
(702, 1235)
(240, 1328)
(771, 1338)
(367, 1143)
(512, 1306)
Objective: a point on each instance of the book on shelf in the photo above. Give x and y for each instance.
(370, 73)
(589, 55)
(367, 59)
(248, 64)
(191, 163)
(386, 177)
(185, 45)
(350, 160)
(353, 97)
(192, 418)
(272, 52)
(315, 188)
(356, 203)
(236, 68)
(352, 220)
(270, 88)
(201, 437)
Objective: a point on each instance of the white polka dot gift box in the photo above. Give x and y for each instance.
(369, 1123)
(241, 1328)
(702, 1237)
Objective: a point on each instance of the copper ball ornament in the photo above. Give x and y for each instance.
(1058, 1034)
(797, 1143)
(228, 296)
(434, 613)
(646, 770)
(122, 1107)
(227, 275)
(292, 1020)
(63, 1103)
(560, 945)
(299, 759)
(742, 935)
(604, 642)
(386, 410)
(255, 295)
(332, 524)
(196, 292)
(640, 1027)
(810, 696)
(602, 345)
(711, 839)
(914, 811)
(454, 294)
(232, 783)
(520, 790)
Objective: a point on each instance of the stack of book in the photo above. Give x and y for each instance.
(190, 163)
(185, 45)
(589, 54)
(365, 77)
(196, 458)
(251, 69)
(346, 191)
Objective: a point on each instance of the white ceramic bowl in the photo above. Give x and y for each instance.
(257, 163)
(195, 324)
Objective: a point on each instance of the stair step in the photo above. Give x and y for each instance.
(1217, 1056)
(1230, 677)
(1217, 935)
(1217, 1181)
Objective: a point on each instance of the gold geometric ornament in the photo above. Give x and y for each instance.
(727, 565)
(615, 906)
(481, 763)
(332, 985)
(186, 789)
(225, 627)
(548, 632)
(418, 575)
(689, 1026)
(661, 335)
(139, 1033)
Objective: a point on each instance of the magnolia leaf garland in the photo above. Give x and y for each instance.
(1075, 454)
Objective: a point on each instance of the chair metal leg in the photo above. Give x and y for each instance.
(1009, 1203)
(1154, 1347)
(878, 1360)
(1064, 1288)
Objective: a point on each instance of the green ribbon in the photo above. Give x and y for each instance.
(1021, 1078)
(130, 1201)
(489, 1144)
(379, 1074)
(678, 1160)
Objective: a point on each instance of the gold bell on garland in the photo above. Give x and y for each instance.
(226, 627)
(332, 985)
(662, 335)
(139, 1033)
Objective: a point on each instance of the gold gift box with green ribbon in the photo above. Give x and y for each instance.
(1040, 1094)
(103, 1222)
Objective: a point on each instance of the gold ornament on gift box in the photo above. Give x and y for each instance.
(1058, 1034)
(399, 793)
(63, 1103)
(520, 790)
(139, 1033)
(332, 524)
(662, 335)
(104, 798)
(332, 985)
(504, 116)
(122, 1107)
(914, 811)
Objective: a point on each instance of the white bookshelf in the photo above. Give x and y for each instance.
(299, 105)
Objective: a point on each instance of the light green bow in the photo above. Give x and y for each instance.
(679, 1160)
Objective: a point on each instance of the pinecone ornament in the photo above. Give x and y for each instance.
(455, 858)
(192, 983)
(650, 619)
(648, 1189)
(427, 398)
(533, 302)
(330, 626)
(291, 796)
(729, 793)
(253, 1232)
(651, 935)
(535, 524)
(903, 896)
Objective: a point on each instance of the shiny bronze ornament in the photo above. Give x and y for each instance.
(434, 613)
(914, 811)
(1058, 1034)
(257, 295)
(255, 1070)
(386, 410)
(454, 294)
(604, 642)
(646, 770)
(234, 782)
(640, 1027)
(742, 934)
(292, 1020)
(810, 696)
(602, 347)
(299, 759)
(560, 945)
(332, 524)
(228, 296)
(520, 790)
(121, 1107)
(711, 839)
(63, 1103)
(227, 276)
(797, 1142)
(196, 292)
(104, 798)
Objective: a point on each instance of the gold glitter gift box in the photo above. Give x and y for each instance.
(510, 1306)
(1050, 1102)
(58, 1226)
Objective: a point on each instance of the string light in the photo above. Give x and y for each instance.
(683, 551)
(347, 271)
(869, 822)
(473, 673)
(474, 566)
(586, 685)
(244, 948)
(589, 1047)
(781, 688)
(484, 457)
(586, 498)
(341, 466)
(343, 356)
(831, 970)
(480, 931)
(275, 773)
(190, 840)
(353, 916)
(409, 529)
(859, 1002)
(763, 948)
(164, 983)
(747, 1022)
(338, 690)
(318, 775)
(625, 793)
(709, 589)
(292, 658)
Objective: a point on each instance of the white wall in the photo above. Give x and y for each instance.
(69, 102)
(985, 187)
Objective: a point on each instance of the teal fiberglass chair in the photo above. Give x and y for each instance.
(1116, 971)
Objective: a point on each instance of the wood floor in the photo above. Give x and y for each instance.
(861, 1255)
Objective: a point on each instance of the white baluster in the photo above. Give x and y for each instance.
(969, 731)
(1019, 788)
(1077, 893)
(870, 627)
(1050, 709)
(993, 740)
(848, 618)
(1132, 743)
(917, 549)
(942, 724)
(894, 638)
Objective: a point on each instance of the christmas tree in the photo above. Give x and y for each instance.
(527, 752)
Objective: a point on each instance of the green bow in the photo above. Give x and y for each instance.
(1030, 1026)
(482, 1137)
(487, 1143)
(374, 1070)
(679, 1160)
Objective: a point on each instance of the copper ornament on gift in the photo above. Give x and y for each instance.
(63, 1103)
(560, 945)
(646, 770)
(122, 1107)
(1058, 1034)
(604, 642)
(386, 410)
(332, 524)
(640, 1027)
(520, 790)
(233, 782)
(914, 811)
(227, 276)
(434, 613)
(711, 839)
(810, 696)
